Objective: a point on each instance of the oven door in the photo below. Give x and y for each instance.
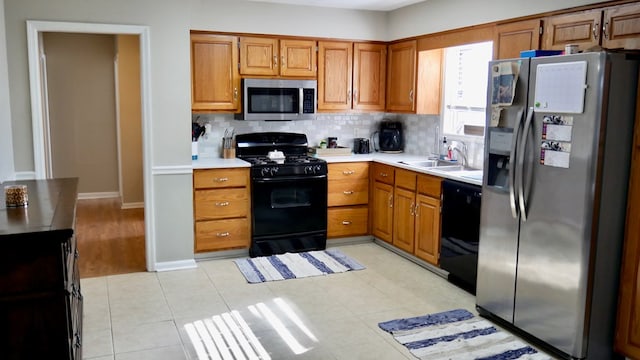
(289, 205)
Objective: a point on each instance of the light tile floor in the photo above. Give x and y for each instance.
(146, 315)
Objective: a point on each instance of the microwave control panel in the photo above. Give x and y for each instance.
(308, 101)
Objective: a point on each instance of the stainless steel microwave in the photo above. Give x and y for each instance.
(278, 99)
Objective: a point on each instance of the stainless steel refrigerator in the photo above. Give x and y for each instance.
(557, 154)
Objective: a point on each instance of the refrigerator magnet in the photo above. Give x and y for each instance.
(555, 153)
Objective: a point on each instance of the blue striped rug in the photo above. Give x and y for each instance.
(458, 335)
(296, 265)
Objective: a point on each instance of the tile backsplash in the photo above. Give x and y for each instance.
(421, 131)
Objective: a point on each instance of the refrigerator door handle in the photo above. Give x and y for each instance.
(520, 181)
(513, 201)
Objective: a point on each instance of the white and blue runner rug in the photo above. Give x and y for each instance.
(458, 335)
(296, 265)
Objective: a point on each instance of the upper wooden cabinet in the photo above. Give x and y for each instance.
(621, 27)
(611, 27)
(351, 76)
(512, 38)
(215, 81)
(401, 76)
(369, 76)
(262, 56)
(429, 91)
(582, 29)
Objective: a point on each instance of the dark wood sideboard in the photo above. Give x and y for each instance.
(40, 299)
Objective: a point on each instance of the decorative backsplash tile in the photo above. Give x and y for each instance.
(421, 131)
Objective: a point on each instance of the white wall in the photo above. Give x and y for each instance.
(439, 15)
(6, 137)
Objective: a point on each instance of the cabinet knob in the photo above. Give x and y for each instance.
(412, 209)
(605, 29)
(223, 234)
(411, 95)
(347, 192)
(235, 94)
(348, 172)
(222, 203)
(390, 201)
(346, 222)
(275, 60)
(282, 61)
(220, 179)
(595, 29)
(384, 174)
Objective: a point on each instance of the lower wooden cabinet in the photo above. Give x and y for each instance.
(348, 199)
(222, 209)
(427, 228)
(347, 221)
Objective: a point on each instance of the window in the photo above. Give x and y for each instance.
(465, 88)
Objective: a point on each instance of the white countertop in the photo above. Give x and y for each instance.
(217, 163)
(389, 159)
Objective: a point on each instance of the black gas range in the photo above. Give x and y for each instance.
(288, 193)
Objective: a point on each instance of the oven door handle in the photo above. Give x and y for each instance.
(289, 178)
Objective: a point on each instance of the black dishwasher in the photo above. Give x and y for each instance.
(460, 232)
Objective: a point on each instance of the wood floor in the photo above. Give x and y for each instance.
(110, 240)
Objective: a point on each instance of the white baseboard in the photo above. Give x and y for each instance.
(98, 195)
(176, 265)
(132, 205)
(25, 175)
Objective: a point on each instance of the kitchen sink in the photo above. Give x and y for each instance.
(430, 163)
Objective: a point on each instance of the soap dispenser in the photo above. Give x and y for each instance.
(444, 152)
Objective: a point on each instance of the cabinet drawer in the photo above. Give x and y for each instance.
(351, 171)
(430, 185)
(347, 192)
(383, 173)
(220, 178)
(350, 221)
(406, 179)
(221, 204)
(222, 234)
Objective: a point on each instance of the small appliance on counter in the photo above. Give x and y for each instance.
(389, 138)
(361, 146)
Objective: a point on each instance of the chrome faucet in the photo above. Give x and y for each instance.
(461, 148)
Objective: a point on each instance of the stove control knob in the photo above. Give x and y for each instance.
(309, 170)
(318, 168)
(274, 170)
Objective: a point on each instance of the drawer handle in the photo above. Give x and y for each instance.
(384, 174)
(347, 192)
(221, 179)
(224, 203)
(346, 222)
(349, 172)
(224, 234)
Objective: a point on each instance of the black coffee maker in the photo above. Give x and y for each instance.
(389, 137)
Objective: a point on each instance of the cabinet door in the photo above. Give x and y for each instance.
(427, 230)
(621, 27)
(401, 76)
(369, 76)
(258, 56)
(582, 29)
(627, 339)
(514, 37)
(430, 81)
(404, 219)
(215, 81)
(298, 58)
(334, 75)
(382, 209)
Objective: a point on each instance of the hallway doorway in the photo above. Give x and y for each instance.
(92, 212)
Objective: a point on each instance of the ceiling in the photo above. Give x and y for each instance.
(378, 5)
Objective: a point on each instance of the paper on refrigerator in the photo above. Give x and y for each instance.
(504, 79)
